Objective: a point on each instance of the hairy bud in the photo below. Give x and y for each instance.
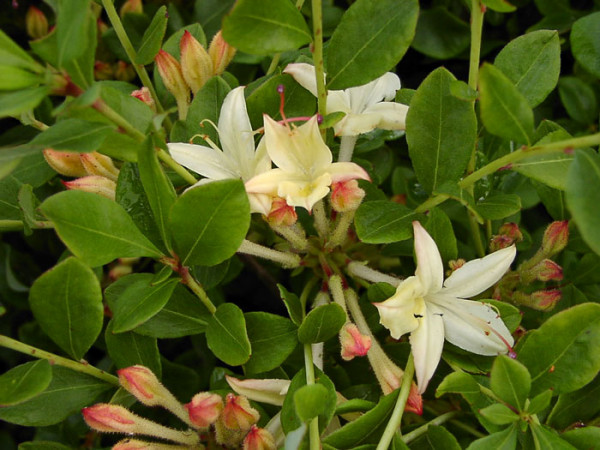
(346, 195)
(95, 184)
(65, 163)
(196, 65)
(98, 164)
(259, 439)
(555, 238)
(204, 409)
(353, 343)
(36, 23)
(221, 53)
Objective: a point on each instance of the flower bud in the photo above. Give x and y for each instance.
(455, 264)
(36, 23)
(500, 241)
(65, 163)
(259, 439)
(238, 414)
(98, 164)
(281, 213)
(103, 71)
(110, 418)
(94, 184)
(555, 238)
(543, 300)
(511, 230)
(131, 7)
(346, 195)
(270, 391)
(221, 53)
(124, 71)
(204, 409)
(144, 95)
(353, 342)
(119, 271)
(196, 64)
(170, 72)
(548, 270)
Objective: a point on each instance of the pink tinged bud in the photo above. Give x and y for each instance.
(103, 71)
(94, 184)
(170, 72)
(545, 299)
(238, 414)
(131, 7)
(144, 95)
(204, 409)
(119, 271)
(281, 213)
(98, 164)
(36, 23)
(555, 238)
(511, 230)
(455, 264)
(353, 342)
(221, 53)
(141, 382)
(259, 439)
(414, 403)
(499, 242)
(110, 418)
(346, 195)
(196, 64)
(548, 270)
(65, 163)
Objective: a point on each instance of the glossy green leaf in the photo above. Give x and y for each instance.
(440, 131)
(582, 201)
(582, 438)
(261, 27)
(510, 381)
(130, 348)
(73, 135)
(505, 112)
(96, 229)
(353, 59)
(153, 36)
(498, 206)
(502, 440)
(68, 392)
(119, 98)
(439, 227)
(439, 438)
(24, 382)
(227, 336)
(562, 354)
(15, 103)
(440, 34)
(532, 63)
(272, 338)
(579, 99)
(383, 221)
(547, 438)
(585, 42)
(12, 54)
(322, 323)
(292, 304)
(72, 29)
(210, 14)
(540, 402)
(208, 223)
(67, 303)
(309, 401)
(15, 78)
(499, 5)
(575, 406)
(459, 383)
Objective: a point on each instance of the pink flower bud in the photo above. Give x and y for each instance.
(414, 403)
(94, 184)
(555, 238)
(546, 299)
(353, 342)
(204, 409)
(103, 71)
(259, 439)
(131, 7)
(196, 64)
(98, 164)
(124, 71)
(499, 242)
(346, 195)
(36, 23)
(144, 95)
(511, 230)
(281, 213)
(238, 414)
(110, 418)
(221, 53)
(141, 382)
(65, 163)
(548, 270)
(170, 72)
(455, 264)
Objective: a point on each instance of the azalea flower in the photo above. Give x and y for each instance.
(367, 107)
(430, 308)
(238, 157)
(305, 169)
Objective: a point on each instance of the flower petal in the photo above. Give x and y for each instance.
(305, 193)
(344, 171)
(397, 313)
(206, 161)
(392, 116)
(382, 88)
(260, 203)
(430, 269)
(304, 74)
(267, 182)
(270, 391)
(477, 275)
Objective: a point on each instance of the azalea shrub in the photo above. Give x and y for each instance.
(268, 224)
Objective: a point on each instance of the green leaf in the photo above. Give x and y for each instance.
(499, 414)
(210, 14)
(499, 5)
(440, 229)
(540, 402)
(309, 401)
(579, 99)
(153, 37)
(226, 335)
(67, 303)
(510, 381)
(67, 393)
(562, 354)
(440, 34)
(96, 229)
(12, 54)
(585, 42)
(129, 348)
(261, 27)
(272, 338)
(24, 382)
(575, 406)
(383, 221)
(15, 78)
(42, 445)
(208, 223)
(440, 131)
(292, 304)
(72, 30)
(439, 438)
(583, 201)
(498, 206)
(505, 112)
(361, 50)
(583, 438)
(532, 63)
(459, 383)
(502, 440)
(322, 323)
(75, 135)
(15, 103)
(548, 439)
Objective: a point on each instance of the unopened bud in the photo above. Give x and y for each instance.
(221, 53)
(259, 439)
(548, 270)
(346, 195)
(414, 403)
(500, 241)
(103, 71)
(543, 300)
(170, 72)
(141, 382)
(65, 163)
(238, 414)
(281, 213)
(94, 184)
(555, 238)
(204, 409)
(119, 271)
(98, 164)
(511, 230)
(353, 342)
(455, 264)
(131, 7)
(144, 95)
(196, 64)
(399, 198)
(36, 23)
(270, 391)
(124, 71)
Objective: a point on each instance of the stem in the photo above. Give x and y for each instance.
(17, 225)
(287, 260)
(82, 367)
(198, 290)
(321, 222)
(431, 202)
(337, 292)
(273, 64)
(347, 144)
(313, 427)
(118, 119)
(317, 19)
(294, 234)
(394, 422)
(476, 232)
(408, 437)
(177, 168)
(363, 271)
(340, 233)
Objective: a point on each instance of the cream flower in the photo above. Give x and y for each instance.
(430, 309)
(238, 157)
(305, 169)
(367, 107)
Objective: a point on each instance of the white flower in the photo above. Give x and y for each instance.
(305, 169)
(430, 309)
(238, 157)
(367, 107)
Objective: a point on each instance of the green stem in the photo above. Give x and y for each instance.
(274, 63)
(198, 290)
(17, 225)
(313, 427)
(119, 120)
(177, 168)
(409, 437)
(317, 18)
(82, 367)
(431, 202)
(340, 233)
(394, 422)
